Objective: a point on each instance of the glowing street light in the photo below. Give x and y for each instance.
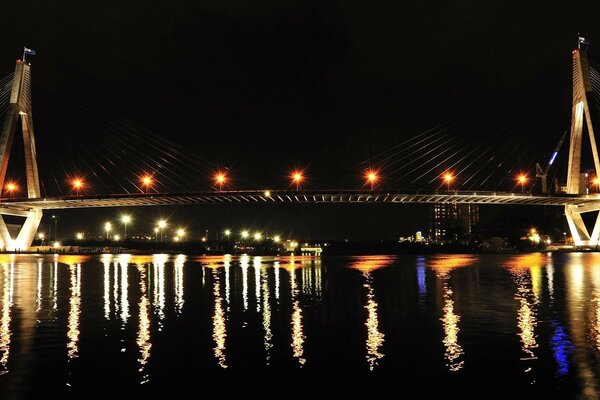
(162, 224)
(276, 238)
(181, 232)
(117, 237)
(297, 178)
(227, 232)
(448, 178)
(220, 179)
(267, 193)
(42, 236)
(79, 236)
(77, 184)
(245, 234)
(522, 180)
(125, 219)
(371, 177)
(107, 228)
(146, 182)
(257, 236)
(156, 233)
(596, 182)
(11, 188)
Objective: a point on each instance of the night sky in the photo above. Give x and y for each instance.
(260, 87)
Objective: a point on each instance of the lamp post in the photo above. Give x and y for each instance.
(161, 225)
(107, 228)
(55, 218)
(125, 219)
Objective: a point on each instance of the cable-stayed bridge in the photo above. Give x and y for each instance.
(432, 149)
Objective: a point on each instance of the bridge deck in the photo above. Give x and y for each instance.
(338, 196)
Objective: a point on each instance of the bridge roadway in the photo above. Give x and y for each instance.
(303, 196)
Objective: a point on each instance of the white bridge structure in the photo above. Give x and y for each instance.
(576, 201)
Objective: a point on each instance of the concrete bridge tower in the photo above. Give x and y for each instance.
(19, 108)
(580, 117)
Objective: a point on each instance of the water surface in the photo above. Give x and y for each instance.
(73, 326)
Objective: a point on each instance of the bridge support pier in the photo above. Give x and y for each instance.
(579, 232)
(26, 234)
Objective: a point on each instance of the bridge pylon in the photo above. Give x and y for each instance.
(576, 180)
(19, 108)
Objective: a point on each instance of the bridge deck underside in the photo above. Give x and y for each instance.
(233, 197)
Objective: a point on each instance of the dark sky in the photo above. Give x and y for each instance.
(264, 85)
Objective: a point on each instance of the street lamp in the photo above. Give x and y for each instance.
(77, 184)
(55, 219)
(180, 233)
(146, 182)
(79, 236)
(156, 234)
(245, 234)
(227, 233)
(41, 236)
(371, 177)
(11, 188)
(276, 238)
(257, 236)
(107, 228)
(162, 225)
(297, 178)
(125, 219)
(448, 178)
(220, 179)
(522, 180)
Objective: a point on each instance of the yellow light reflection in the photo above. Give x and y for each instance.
(375, 338)
(244, 259)
(143, 336)
(227, 266)
(116, 288)
(219, 327)
(443, 267)
(74, 310)
(124, 263)
(5, 333)
(525, 271)
(179, 261)
(38, 297)
(159, 287)
(450, 322)
(266, 316)
(256, 266)
(297, 328)
(106, 263)
(55, 287)
(276, 269)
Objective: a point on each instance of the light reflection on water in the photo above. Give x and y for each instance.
(375, 338)
(526, 274)
(149, 307)
(5, 333)
(443, 267)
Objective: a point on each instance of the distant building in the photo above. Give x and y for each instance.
(451, 221)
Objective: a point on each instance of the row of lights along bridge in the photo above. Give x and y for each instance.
(297, 177)
(179, 233)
